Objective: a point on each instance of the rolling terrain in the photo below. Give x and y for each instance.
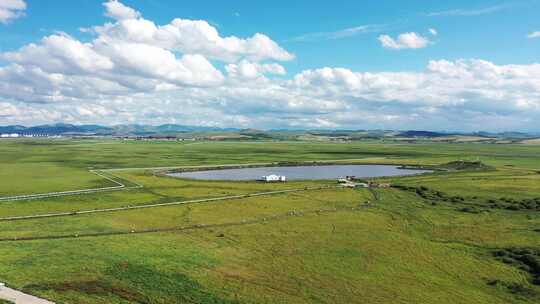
(463, 235)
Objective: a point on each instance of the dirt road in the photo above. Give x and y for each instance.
(18, 297)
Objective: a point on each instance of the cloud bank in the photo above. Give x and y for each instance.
(186, 72)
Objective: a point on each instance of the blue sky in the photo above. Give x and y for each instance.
(491, 30)
(392, 64)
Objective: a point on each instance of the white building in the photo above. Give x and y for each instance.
(12, 135)
(274, 178)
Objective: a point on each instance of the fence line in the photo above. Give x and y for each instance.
(194, 201)
(120, 186)
(297, 213)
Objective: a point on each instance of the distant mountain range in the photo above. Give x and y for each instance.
(516, 135)
(422, 134)
(141, 130)
(174, 129)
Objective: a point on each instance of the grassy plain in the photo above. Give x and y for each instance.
(320, 246)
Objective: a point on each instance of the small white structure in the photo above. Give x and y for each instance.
(273, 178)
(12, 135)
(350, 183)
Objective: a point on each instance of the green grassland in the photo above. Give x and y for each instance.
(447, 237)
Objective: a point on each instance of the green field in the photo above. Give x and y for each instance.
(469, 236)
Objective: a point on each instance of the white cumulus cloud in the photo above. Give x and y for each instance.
(409, 40)
(194, 36)
(119, 11)
(11, 9)
(134, 71)
(131, 54)
(251, 70)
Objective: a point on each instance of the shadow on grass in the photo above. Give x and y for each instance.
(139, 284)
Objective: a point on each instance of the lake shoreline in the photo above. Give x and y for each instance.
(306, 171)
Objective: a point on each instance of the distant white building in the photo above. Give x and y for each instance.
(12, 135)
(273, 178)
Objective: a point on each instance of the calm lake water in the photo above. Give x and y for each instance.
(300, 172)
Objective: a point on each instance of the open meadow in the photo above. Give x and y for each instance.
(466, 235)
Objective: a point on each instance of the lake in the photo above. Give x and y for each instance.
(300, 172)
